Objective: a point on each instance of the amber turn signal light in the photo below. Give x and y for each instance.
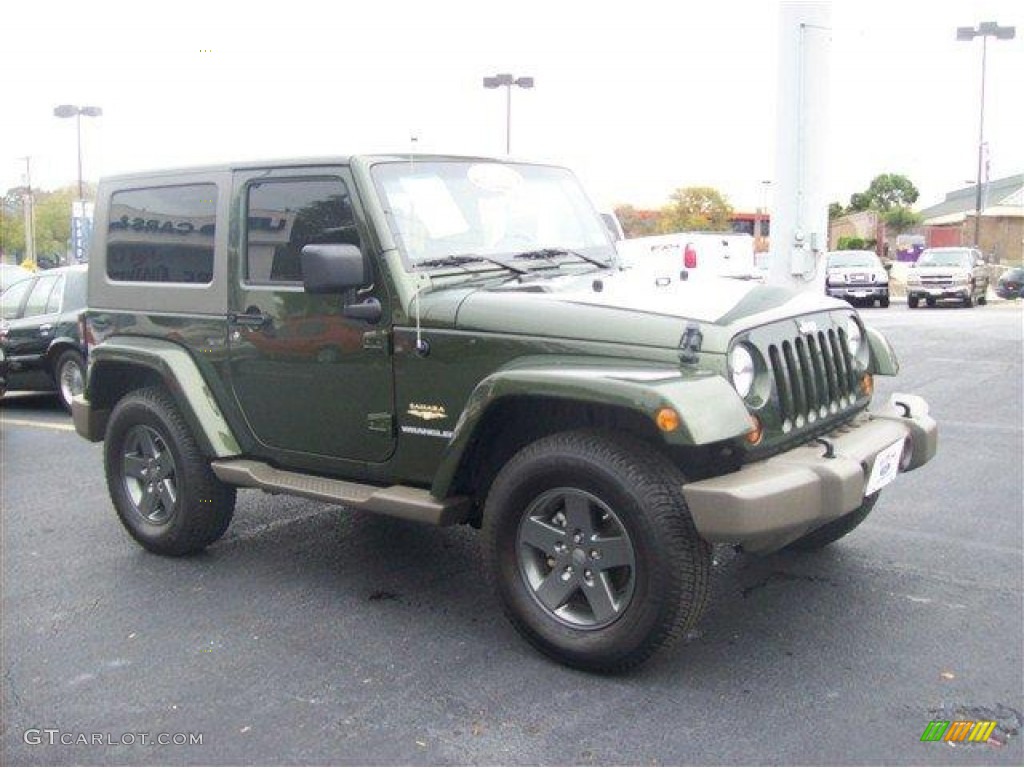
(867, 383)
(753, 437)
(667, 420)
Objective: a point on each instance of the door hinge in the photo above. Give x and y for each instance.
(381, 422)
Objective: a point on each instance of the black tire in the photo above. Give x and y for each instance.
(186, 508)
(912, 302)
(969, 298)
(930, 302)
(622, 573)
(830, 532)
(883, 302)
(69, 376)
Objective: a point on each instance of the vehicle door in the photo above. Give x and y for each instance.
(312, 384)
(30, 330)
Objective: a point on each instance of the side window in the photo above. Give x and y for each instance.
(11, 300)
(40, 296)
(162, 234)
(283, 216)
(53, 305)
(75, 290)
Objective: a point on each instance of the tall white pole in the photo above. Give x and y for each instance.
(800, 208)
(28, 205)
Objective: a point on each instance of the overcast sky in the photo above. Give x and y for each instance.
(639, 97)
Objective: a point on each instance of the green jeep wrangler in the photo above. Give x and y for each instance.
(451, 340)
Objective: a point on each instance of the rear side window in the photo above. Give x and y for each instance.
(40, 296)
(283, 216)
(10, 301)
(162, 234)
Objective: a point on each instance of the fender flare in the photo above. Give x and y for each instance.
(180, 374)
(883, 357)
(709, 408)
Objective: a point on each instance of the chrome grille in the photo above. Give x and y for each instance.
(814, 376)
(937, 280)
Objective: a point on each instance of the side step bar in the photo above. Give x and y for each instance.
(396, 501)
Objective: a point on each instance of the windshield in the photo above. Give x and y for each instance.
(943, 259)
(852, 259)
(440, 209)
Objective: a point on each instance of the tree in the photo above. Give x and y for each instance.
(695, 209)
(53, 222)
(900, 219)
(636, 223)
(12, 224)
(891, 190)
(835, 210)
(859, 201)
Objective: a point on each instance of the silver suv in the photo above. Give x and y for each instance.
(948, 273)
(857, 276)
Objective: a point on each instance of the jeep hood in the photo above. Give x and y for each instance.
(621, 307)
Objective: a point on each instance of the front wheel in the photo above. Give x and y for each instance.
(592, 551)
(161, 484)
(912, 302)
(883, 302)
(830, 532)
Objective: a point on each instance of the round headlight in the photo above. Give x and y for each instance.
(741, 368)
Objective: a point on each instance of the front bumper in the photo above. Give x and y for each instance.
(857, 291)
(939, 292)
(767, 504)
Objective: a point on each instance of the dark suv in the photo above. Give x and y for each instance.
(39, 332)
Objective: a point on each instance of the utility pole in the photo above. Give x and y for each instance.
(800, 199)
(30, 214)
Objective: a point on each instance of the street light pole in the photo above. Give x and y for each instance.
(508, 81)
(985, 30)
(72, 110)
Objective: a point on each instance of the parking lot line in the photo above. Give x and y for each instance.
(43, 424)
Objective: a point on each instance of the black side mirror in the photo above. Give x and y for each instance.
(332, 268)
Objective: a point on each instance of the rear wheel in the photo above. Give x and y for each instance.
(912, 302)
(883, 302)
(930, 302)
(592, 551)
(161, 484)
(822, 537)
(69, 376)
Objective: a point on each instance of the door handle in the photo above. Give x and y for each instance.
(45, 328)
(252, 318)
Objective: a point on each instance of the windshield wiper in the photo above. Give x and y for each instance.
(548, 253)
(461, 259)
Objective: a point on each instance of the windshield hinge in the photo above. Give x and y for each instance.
(381, 422)
(377, 340)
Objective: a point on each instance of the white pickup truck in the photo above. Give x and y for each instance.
(683, 255)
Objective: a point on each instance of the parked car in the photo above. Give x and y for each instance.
(3, 372)
(10, 274)
(39, 332)
(948, 273)
(1010, 284)
(857, 276)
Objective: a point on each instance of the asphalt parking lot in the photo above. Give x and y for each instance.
(310, 635)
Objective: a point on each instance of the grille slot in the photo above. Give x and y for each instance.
(814, 376)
